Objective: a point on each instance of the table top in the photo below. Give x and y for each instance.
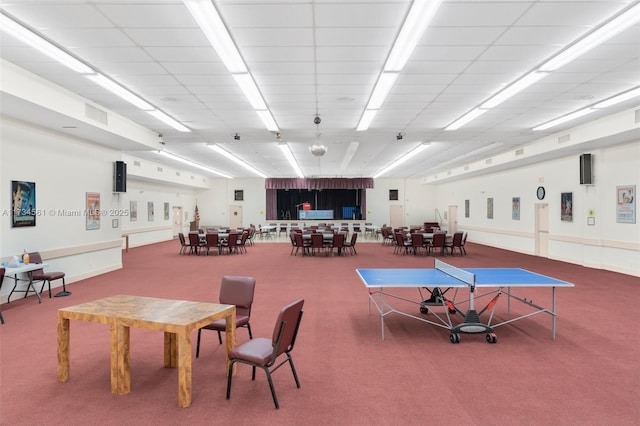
(24, 268)
(484, 277)
(147, 312)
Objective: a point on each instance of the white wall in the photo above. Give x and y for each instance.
(607, 244)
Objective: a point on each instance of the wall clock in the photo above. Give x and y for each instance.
(540, 193)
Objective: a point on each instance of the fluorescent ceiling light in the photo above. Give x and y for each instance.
(192, 164)
(564, 119)
(268, 120)
(351, 151)
(414, 26)
(168, 120)
(615, 26)
(513, 89)
(210, 22)
(116, 89)
(402, 159)
(366, 119)
(250, 90)
(37, 42)
(471, 115)
(291, 159)
(236, 160)
(381, 90)
(618, 98)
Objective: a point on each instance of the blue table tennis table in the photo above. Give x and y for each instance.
(444, 279)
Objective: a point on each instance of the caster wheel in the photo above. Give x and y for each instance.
(424, 310)
(491, 338)
(454, 337)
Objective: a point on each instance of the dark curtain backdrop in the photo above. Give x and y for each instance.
(285, 195)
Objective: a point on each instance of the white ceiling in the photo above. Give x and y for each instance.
(323, 57)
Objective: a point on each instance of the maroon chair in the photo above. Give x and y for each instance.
(301, 243)
(195, 243)
(230, 244)
(351, 245)
(185, 246)
(264, 352)
(439, 241)
(317, 243)
(213, 242)
(464, 241)
(47, 277)
(417, 242)
(456, 241)
(338, 243)
(233, 291)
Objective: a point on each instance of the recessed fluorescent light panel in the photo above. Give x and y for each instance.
(236, 160)
(351, 151)
(286, 151)
(192, 164)
(417, 150)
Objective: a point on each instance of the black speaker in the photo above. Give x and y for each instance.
(119, 176)
(586, 169)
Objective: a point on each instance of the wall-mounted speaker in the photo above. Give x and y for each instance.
(586, 169)
(119, 176)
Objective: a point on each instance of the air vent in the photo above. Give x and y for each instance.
(519, 151)
(95, 114)
(564, 138)
(177, 173)
(637, 116)
(466, 168)
(160, 169)
(489, 161)
(136, 163)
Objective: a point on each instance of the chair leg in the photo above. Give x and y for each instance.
(249, 329)
(198, 345)
(293, 370)
(273, 390)
(229, 377)
(219, 337)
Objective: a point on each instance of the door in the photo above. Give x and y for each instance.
(235, 216)
(396, 216)
(542, 230)
(177, 220)
(452, 227)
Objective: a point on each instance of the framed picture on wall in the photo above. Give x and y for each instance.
(466, 208)
(515, 208)
(23, 203)
(92, 206)
(489, 208)
(133, 211)
(166, 211)
(238, 195)
(626, 204)
(393, 195)
(566, 206)
(150, 212)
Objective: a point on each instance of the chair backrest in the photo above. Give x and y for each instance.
(439, 239)
(286, 328)
(457, 239)
(212, 239)
(399, 238)
(316, 240)
(34, 257)
(232, 239)
(238, 291)
(194, 238)
(298, 239)
(417, 239)
(464, 239)
(2, 271)
(354, 237)
(181, 237)
(338, 240)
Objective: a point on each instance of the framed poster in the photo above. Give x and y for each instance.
(626, 204)
(166, 211)
(23, 203)
(92, 211)
(489, 208)
(150, 213)
(238, 195)
(515, 208)
(566, 206)
(133, 211)
(393, 195)
(466, 208)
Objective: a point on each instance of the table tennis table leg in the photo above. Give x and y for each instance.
(553, 314)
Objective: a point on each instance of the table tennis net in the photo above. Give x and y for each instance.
(460, 274)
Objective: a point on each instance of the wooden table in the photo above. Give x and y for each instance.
(177, 318)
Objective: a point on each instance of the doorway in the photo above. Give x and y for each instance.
(542, 230)
(452, 227)
(235, 216)
(396, 216)
(177, 220)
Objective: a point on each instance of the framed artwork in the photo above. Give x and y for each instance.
(566, 206)
(489, 208)
(626, 204)
(393, 195)
(92, 206)
(133, 211)
(150, 213)
(23, 203)
(166, 211)
(238, 195)
(515, 208)
(466, 208)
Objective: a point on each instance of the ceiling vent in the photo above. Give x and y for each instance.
(564, 138)
(136, 163)
(95, 114)
(489, 161)
(519, 151)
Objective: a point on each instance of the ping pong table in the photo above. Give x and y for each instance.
(444, 279)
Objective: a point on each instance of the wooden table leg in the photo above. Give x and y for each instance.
(63, 348)
(120, 359)
(230, 335)
(184, 370)
(170, 350)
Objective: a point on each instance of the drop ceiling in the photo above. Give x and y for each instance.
(323, 58)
